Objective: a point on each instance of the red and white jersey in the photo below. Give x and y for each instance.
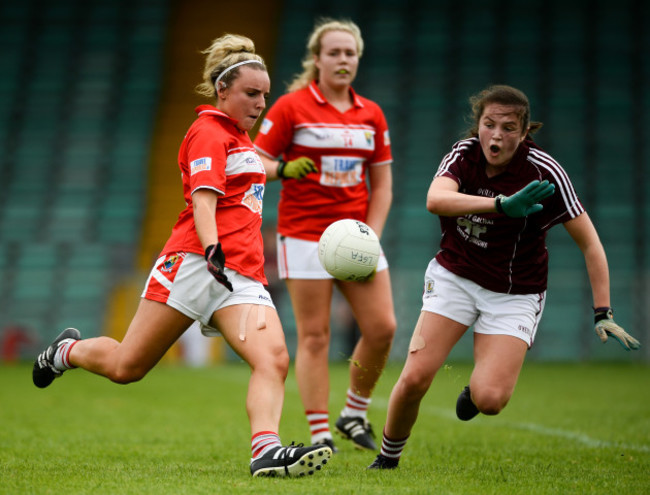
(342, 145)
(500, 253)
(216, 154)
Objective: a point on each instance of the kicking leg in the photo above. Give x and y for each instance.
(154, 328)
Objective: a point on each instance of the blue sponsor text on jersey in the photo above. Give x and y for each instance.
(345, 164)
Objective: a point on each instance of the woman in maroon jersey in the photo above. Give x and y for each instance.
(497, 194)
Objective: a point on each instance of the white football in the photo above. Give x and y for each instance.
(349, 250)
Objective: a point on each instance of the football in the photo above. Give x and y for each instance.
(349, 250)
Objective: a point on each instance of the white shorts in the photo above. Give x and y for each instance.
(298, 258)
(182, 281)
(492, 313)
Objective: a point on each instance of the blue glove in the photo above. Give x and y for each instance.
(525, 201)
(605, 326)
(216, 259)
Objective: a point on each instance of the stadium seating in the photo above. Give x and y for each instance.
(581, 72)
(78, 92)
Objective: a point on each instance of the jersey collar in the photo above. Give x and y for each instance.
(209, 110)
(318, 96)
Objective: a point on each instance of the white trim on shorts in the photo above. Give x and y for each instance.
(491, 313)
(196, 293)
(298, 259)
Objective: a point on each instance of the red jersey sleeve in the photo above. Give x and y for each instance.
(206, 158)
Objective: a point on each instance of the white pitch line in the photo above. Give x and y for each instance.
(581, 438)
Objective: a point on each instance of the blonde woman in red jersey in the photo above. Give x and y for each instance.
(497, 193)
(324, 141)
(211, 268)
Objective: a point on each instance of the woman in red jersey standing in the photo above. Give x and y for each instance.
(325, 141)
(497, 193)
(211, 268)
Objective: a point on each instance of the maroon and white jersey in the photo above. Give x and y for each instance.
(342, 144)
(500, 253)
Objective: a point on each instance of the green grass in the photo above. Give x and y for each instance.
(574, 428)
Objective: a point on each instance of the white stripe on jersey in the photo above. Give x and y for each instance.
(332, 125)
(453, 155)
(335, 136)
(569, 196)
(243, 160)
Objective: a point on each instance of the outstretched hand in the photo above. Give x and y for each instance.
(606, 326)
(525, 201)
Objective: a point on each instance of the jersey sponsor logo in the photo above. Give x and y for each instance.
(386, 138)
(332, 136)
(341, 171)
(200, 165)
(245, 161)
(470, 228)
(266, 126)
(253, 198)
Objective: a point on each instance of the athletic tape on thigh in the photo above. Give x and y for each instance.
(261, 319)
(417, 341)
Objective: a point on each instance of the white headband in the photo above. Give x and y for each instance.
(234, 66)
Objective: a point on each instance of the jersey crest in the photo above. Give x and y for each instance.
(253, 198)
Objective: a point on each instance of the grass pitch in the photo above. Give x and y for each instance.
(578, 428)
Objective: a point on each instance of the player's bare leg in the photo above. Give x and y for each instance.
(153, 330)
(372, 306)
(311, 301)
(433, 338)
(432, 341)
(255, 333)
(498, 360)
(265, 351)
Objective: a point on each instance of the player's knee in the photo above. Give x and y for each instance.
(385, 331)
(127, 374)
(314, 341)
(281, 362)
(275, 362)
(413, 385)
(490, 401)
(380, 333)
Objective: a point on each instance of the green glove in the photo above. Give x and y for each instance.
(296, 169)
(605, 326)
(525, 201)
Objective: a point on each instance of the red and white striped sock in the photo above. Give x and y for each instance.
(262, 442)
(319, 425)
(355, 405)
(392, 448)
(62, 355)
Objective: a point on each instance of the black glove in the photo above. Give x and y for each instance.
(216, 262)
